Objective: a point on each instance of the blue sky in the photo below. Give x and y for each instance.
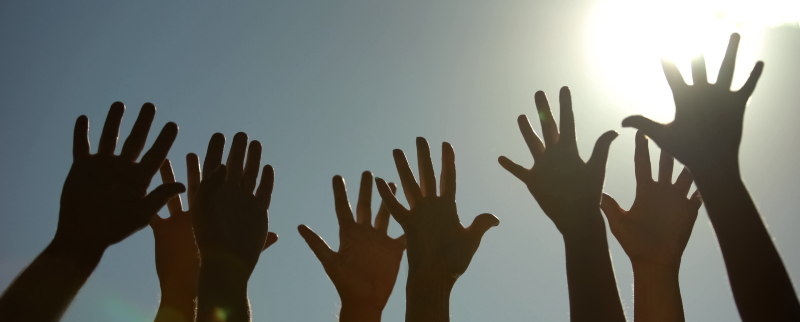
(331, 88)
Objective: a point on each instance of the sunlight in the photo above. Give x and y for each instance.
(628, 37)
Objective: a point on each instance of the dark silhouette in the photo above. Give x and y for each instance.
(439, 247)
(230, 226)
(705, 136)
(104, 201)
(569, 192)
(654, 233)
(364, 270)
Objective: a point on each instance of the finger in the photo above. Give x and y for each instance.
(750, 85)
(599, 156)
(252, 166)
(80, 139)
(321, 249)
(725, 76)
(517, 170)
(214, 180)
(134, 144)
(382, 218)
(152, 160)
(236, 159)
(448, 179)
(650, 128)
(612, 210)
(641, 160)
(390, 201)
(157, 198)
(549, 128)
(567, 134)
(108, 139)
(696, 199)
(216, 147)
(264, 191)
(427, 177)
(699, 71)
(410, 187)
(673, 75)
(665, 165)
(684, 182)
(193, 174)
(535, 145)
(155, 222)
(168, 176)
(481, 224)
(364, 205)
(272, 238)
(401, 240)
(343, 211)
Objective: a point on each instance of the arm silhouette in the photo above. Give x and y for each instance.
(705, 136)
(104, 201)
(569, 192)
(230, 225)
(439, 247)
(364, 270)
(654, 233)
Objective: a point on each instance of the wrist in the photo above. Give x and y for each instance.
(722, 172)
(428, 297)
(83, 254)
(656, 269)
(359, 313)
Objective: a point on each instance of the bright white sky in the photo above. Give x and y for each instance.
(332, 87)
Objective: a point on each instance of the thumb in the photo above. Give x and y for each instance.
(481, 224)
(271, 239)
(649, 127)
(316, 243)
(159, 197)
(600, 153)
(612, 210)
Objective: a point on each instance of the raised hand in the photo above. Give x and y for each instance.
(708, 121)
(439, 247)
(177, 258)
(565, 187)
(364, 270)
(105, 196)
(569, 192)
(657, 227)
(654, 233)
(230, 226)
(104, 201)
(705, 136)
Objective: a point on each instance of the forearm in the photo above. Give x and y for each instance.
(427, 298)
(176, 305)
(222, 295)
(761, 286)
(352, 313)
(44, 290)
(593, 294)
(657, 294)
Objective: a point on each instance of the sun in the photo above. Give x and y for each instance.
(628, 37)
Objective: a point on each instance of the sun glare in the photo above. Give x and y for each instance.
(629, 36)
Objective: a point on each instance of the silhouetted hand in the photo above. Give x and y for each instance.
(177, 258)
(708, 121)
(105, 196)
(439, 247)
(230, 222)
(569, 192)
(230, 226)
(657, 227)
(364, 270)
(560, 181)
(104, 201)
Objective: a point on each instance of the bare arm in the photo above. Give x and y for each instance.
(569, 191)
(705, 136)
(104, 201)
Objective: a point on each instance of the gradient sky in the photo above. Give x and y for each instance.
(331, 87)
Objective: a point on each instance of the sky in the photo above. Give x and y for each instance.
(331, 87)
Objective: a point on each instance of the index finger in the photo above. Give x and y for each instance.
(168, 176)
(153, 159)
(343, 211)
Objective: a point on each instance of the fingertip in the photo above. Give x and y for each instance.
(191, 157)
(255, 144)
(735, 36)
(240, 136)
(149, 107)
(116, 106)
(218, 136)
(171, 127)
(564, 90)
